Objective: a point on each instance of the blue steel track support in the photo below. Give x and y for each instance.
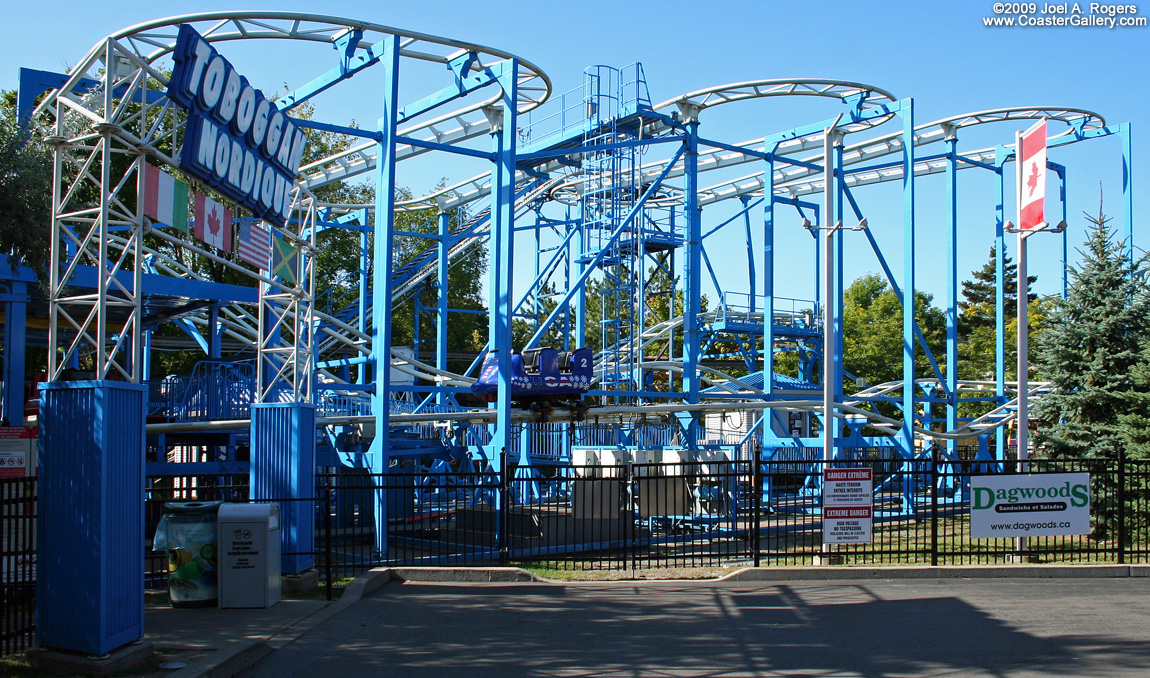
(15, 315)
(441, 317)
(692, 265)
(380, 451)
(768, 300)
(365, 254)
(951, 288)
(906, 112)
(1065, 229)
(503, 133)
(746, 200)
(1127, 188)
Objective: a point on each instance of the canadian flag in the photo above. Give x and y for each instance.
(213, 223)
(1032, 177)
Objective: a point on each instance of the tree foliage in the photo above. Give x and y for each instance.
(1091, 348)
(1134, 423)
(25, 194)
(872, 331)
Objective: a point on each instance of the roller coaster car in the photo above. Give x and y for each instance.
(540, 377)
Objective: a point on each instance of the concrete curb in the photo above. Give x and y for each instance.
(228, 661)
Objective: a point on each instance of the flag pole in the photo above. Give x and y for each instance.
(1023, 329)
(1022, 295)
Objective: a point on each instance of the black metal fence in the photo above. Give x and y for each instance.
(697, 514)
(629, 517)
(17, 563)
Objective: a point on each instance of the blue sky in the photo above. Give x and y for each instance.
(940, 54)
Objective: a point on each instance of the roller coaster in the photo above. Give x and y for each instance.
(606, 190)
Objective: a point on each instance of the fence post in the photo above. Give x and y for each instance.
(327, 528)
(503, 519)
(934, 477)
(756, 507)
(629, 535)
(1121, 506)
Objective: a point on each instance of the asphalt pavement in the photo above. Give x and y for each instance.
(873, 626)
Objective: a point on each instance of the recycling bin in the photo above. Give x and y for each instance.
(249, 555)
(192, 547)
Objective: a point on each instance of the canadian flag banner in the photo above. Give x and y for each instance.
(213, 223)
(1032, 177)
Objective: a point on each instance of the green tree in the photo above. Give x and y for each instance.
(25, 194)
(1134, 423)
(976, 310)
(1090, 349)
(872, 331)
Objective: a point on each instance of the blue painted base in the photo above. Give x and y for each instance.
(283, 468)
(89, 590)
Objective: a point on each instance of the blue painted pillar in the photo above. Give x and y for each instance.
(15, 314)
(379, 454)
(441, 316)
(1001, 154)
(146, 372)
(364, 301)
(768, 289)
(768, 308)
(90, 530)
(283, 468)
(908, 289)
(1127, 188)
(952, 288)
(692, 267)
(215, 333)
(503, 132)
(746, 200)
(1065, 231)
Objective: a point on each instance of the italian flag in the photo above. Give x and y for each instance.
(165, 198)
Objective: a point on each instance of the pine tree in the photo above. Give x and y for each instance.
(977, 309)
(1090, 348)
(1134, 424)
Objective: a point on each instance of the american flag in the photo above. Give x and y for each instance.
(254, 244)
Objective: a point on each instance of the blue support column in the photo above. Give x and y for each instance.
(1127, 188)
(503, 132)
(364, 286)
(379, 456)
(908, 286)
(952, 289)
(215, 333)
(441, 316)
(283, 467)
(1001, 154)
(693, 265)
(768, 310)
(15, 314)
(1065, 230)
(746, 200)
(90, 529)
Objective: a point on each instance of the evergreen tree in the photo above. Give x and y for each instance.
(1134, 424)
(977, 308)
(1090, 348)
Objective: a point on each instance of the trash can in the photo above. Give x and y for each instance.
(249, 555)
(187, 533)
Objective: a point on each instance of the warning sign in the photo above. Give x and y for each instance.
(848, 506)
(17, 451)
